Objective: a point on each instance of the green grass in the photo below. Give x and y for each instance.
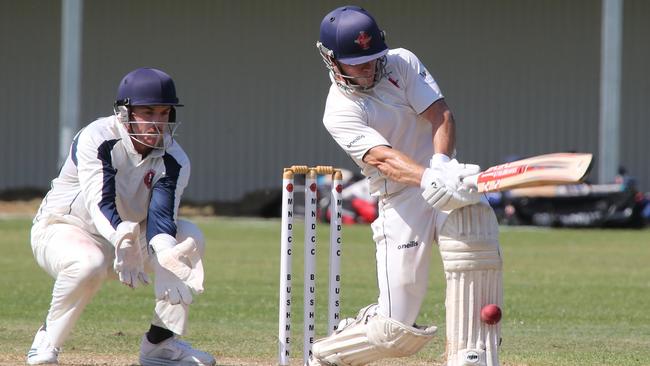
(572, 297)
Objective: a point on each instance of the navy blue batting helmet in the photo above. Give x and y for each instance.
(352, 35)
(147, 86)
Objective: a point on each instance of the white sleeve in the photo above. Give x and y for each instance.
(421, 89)
(97, 183)
(349, 128)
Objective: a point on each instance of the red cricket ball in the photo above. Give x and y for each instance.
(491, 314)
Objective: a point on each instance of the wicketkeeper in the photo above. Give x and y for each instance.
(112, 213)
(385, 110)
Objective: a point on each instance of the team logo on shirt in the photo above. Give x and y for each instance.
(148, 178)
(363, 40)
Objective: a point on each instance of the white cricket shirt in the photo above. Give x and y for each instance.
(388, 114)
(104, 181)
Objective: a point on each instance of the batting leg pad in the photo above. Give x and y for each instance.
(370, 337)
(469, 247)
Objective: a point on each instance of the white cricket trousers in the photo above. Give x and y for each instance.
(81, 262)
(404, 233)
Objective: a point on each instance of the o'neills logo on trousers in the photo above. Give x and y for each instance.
(410, 244)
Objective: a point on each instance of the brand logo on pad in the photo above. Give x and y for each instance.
(472, 357)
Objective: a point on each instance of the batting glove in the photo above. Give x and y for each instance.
(443, 186)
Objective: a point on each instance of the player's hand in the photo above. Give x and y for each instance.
(178, 269)
(128, 258)
(443, 186)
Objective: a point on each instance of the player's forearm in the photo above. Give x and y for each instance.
(443, 127)
(395, 165)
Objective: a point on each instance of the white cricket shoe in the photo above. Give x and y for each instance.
(41, 351)
(172, 351)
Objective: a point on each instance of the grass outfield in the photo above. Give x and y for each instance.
(572, 297)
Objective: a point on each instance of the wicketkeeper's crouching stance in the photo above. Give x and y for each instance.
(385, 110)
(112, 213)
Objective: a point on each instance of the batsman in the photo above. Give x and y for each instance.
(112, 213)
(386, 111)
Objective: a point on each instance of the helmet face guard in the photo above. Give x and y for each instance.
(344, 82)
(164, 132)
(147, 87)
(350, 35)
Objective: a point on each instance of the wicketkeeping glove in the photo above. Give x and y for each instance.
(169, 287)
(128, 258)
(178, 270)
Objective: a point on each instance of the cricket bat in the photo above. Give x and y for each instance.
(541, 170)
